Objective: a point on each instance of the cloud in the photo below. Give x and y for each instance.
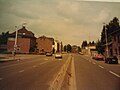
(103, 16)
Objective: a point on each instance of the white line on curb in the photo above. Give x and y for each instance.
(114, 74)
(100, 66)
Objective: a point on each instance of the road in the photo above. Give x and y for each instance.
(38, 72)
(33, 73)
(96, 75)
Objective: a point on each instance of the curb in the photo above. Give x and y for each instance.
(57, 82)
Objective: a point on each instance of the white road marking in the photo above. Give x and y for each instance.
(1, 79)
(94, 63)
(21, 71)
(43, 63)
(89, 60)
(45, 58)
(114, 74)
(34, 66)
(100, 66)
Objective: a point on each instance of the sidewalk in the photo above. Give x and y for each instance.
(7, 57)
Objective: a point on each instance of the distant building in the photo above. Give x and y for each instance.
(89, 50)
(44, 44)
(26, 41)
(58, 46)
(74, 49)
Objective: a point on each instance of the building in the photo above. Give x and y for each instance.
(44, 44)
(74, 49)
(26, 41)
(58, 46)
(90, 50)
(114, 45)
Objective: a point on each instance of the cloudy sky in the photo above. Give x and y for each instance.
(70, 21)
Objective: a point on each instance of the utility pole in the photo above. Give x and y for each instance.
(15, 44)
(107, 53)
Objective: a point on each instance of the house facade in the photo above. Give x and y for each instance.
(44, 44)
(114, 45)
(58, 46)
(26, 41)
(90, 50)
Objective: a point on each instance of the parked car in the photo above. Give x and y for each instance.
(98, 57)
(58, 55)
(111, 60)
(48, 54)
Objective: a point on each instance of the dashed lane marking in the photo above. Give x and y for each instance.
(34, 66)
(90, 61)
(94, 63)
(114, 74)
(21, 71)
(100, 66)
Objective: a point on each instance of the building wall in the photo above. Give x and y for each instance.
(22, 43)
(44, 44)
(115, 47)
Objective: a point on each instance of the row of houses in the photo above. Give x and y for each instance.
(28, 43)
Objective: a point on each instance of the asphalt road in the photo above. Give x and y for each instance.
(33, 73)
(37, 72)
(96, 75)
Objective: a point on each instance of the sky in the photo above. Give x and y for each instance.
(69, 21)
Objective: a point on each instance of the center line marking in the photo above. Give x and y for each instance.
(114, 74)
(21, 71)
(100, 66)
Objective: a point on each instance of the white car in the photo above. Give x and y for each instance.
(58, 55)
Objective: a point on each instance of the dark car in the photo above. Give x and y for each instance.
(111, 60)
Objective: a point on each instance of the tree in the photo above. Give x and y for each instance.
(65, 48)
(100, 47)
(69, 48)
(4, 37)
(84, 44)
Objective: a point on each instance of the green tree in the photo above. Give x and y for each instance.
(69, 48)
(65, 48)
(84, 44)
(4, 37)
(100, 47)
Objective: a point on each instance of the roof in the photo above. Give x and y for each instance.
(23, 32)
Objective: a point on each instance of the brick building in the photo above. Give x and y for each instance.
(114, 45)
(26, 41)
(44, 44)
